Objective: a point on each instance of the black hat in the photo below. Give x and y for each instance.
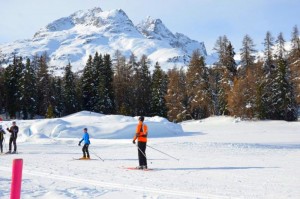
(141, 118)
(85, 129)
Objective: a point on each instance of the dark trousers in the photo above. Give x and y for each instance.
(1, 145)
(142, 153)
(85, 150)
(14, 141)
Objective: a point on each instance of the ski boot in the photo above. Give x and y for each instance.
(83, 158)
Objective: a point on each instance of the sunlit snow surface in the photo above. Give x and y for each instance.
(220, 157)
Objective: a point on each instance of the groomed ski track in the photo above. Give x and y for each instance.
(116, 185)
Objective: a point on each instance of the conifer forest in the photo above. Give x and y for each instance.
(262, 85)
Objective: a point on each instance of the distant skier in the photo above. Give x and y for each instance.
(141, 136)
(85, 148)
(2, 132)
(14, 129)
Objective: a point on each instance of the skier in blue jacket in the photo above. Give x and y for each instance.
(85, 148)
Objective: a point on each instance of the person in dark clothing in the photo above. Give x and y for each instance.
(86, 141)
(14, 129)
(141, 136)
(2, 132)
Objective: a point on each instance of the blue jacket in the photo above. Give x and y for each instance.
(85, 138)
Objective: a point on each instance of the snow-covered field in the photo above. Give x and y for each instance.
(220, 157)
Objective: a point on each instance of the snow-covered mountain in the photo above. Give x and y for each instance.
(81, 34)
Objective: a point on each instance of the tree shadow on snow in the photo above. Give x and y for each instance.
(187, 133)
(212, 168)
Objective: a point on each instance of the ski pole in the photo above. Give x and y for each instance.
(96, 155)
(163, 152)
(5, 144)
(141, 151)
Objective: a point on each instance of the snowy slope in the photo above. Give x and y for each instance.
(81, 34)
(220, 157)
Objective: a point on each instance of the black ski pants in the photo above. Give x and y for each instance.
(85, 150)
(142, 153)
(14, 141)
(1, 145)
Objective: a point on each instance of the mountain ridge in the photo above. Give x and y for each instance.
(74, 38)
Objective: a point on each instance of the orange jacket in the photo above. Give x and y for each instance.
(141, 132)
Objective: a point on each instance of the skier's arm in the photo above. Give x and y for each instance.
(9, 130)
(80, 142)
(137, 133)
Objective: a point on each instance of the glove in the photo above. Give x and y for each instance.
(79, 143)
(133, 141)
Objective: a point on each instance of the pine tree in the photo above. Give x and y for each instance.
(295, 45)
(50, 112)
(106, 91)
(226, 54)
(142, 87)
(2, 59)
(69, 91)
(284, 103)
(281, 51)
(247, 51)
(221, 76)
(122, 82)
(281, 95)
(97, 82)
(198, 90)
(57, 100)
(12, 76)
(176, 98)
(243, 97)
(87, 85)
(268, 52)
(229, 61)
(294, 60)
(28, 91)
(220, 47)
(159, 90)
(43, 85)
(2, 94)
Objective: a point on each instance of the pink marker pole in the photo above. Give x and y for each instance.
(15, 190)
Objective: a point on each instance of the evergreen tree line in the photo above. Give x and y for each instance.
(28, 90)
(266, 87)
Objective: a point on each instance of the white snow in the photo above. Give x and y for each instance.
(220, 157)
(74, 38)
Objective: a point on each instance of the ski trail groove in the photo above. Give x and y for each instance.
(117, 185)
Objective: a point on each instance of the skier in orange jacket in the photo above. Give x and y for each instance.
(141, 136)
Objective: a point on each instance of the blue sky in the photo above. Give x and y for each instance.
(202, 20)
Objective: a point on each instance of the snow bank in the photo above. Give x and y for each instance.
(99, 126)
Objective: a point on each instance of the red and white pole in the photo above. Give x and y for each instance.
(15, 190)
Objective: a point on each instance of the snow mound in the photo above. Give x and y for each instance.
(99, 126)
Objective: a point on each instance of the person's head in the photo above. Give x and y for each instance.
(85, 130)
(141, 118)
(14, 123)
